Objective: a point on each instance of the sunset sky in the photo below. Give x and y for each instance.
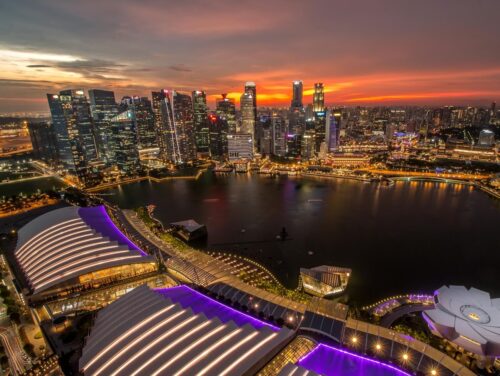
(365, 52)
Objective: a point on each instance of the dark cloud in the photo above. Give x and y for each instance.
(38, 66)
(180, 68)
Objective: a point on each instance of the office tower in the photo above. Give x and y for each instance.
(240, 146)
(308, 145)
(74, 134)
(43, 141)
(279, 133)
(250, 88)
(247, 114)
(266, 140)
(124, 143)
(157, 99)
(200, 121)
(493, 112)
(486, 138)
(297, 121)
(103, 107)
(318, 98)
(145, 122)
(297, 89)
(332, 130)
(226, 109)
(293, 146)
(177, 143)
(319, 128)
(218, 130)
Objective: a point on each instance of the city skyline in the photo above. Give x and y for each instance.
(431, 60)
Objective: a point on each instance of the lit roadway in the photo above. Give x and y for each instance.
(16, 355)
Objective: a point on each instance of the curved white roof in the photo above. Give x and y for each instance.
(72, 241)
(467, 317)
(176, 331)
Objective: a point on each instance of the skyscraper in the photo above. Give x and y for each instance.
(226, 109)
(218, 136)
(124, 143)
(297, 89)
(200, 121)
(177, 130)
(279, 133)
(332, 130)
(318, 98)
(103, 107)
(74, 134)
(251, 88)
(145, 120)
(247, 113)
(43, 141)
(157, 98)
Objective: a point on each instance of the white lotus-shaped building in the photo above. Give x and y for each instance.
(468, 318)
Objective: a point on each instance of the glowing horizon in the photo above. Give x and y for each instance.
(364, 53)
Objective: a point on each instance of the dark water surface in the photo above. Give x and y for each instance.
(411, 237)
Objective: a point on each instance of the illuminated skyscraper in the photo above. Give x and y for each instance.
(74, 134)
(43, 141)
(124, 143)
(297, 89)
(226, 109)
(218, 136)
(279, 133)
(157, 103)
(247, 114)
(318, 98)
(251, 88)
(200, 121)
(145, 122)
(332, 130)
(176, 129)
(103, 107)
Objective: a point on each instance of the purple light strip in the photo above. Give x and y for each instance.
(109, 229)
(317, 348)
(222, 306)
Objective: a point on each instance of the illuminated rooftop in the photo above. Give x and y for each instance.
(177, 331)
(331, 361)
(69, 242)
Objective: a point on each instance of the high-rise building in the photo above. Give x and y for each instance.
(279, 133)
(247, 108)
(200, 121)
(293, 145)
(240, 146)
(308, 145)
(319, 128)
(332, 136)
(218, 136)
(43, 141)
(124, 143)
(297, 121)
(318, 98)
(297, 90)
(251, 88)
(486, 138)
(74, 134)
(226, 109)
(145, 122)
(157, 99)
(177, 130)
(103, 107)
